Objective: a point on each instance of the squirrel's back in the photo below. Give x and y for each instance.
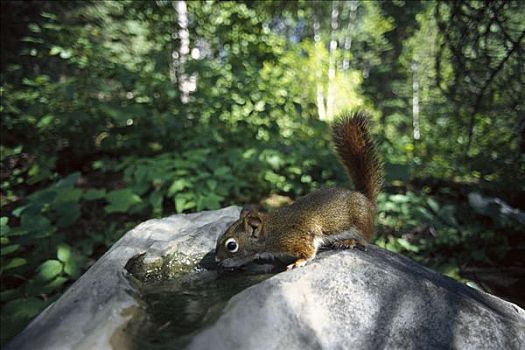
(327, 211)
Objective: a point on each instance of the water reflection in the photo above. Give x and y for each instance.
(177, 308)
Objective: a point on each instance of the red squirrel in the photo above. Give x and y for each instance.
(330, 216)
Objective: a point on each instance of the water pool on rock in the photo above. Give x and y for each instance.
(177, 309)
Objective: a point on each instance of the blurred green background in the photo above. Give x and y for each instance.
(116, 112)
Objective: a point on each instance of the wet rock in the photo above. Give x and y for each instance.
(94, 311)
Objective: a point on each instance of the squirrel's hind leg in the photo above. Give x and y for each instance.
(350, 244)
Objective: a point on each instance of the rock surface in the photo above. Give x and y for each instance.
(364, 300)
(343, 299)
(94, 309)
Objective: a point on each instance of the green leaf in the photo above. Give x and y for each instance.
(17, 313)
(140, 188)
(424, 214)
(63, 252)
(38, 201)
(155, 200)
(181, 163)
(221, 171)
(4, 228)
(121, 200)
(212, 184)
(23, 308)
(45, 121)
(55, 284)
(115, 113)
(38, 173)
(55, 50)
(65, 54)
(49, 269)
(399, 198)
(178, 185)
(13, 263)
(259, 106)
(433, 204)
(209, 201)
(94, 194)
(72, 267)
(34, 223)
(447, 213)
(68, 214)
(141, 173)
(184, 203)
(407, 245)
(180, 203)
(68, 181)
(66, 195)
(85, 246)
(9, 249)
(9, 294)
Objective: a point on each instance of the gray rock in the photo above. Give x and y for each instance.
(364, 300)
(496, 208)
(343, 299)
(93, 311)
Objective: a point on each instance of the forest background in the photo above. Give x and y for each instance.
(115, 112)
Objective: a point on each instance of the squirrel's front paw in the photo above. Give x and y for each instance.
(297, 263)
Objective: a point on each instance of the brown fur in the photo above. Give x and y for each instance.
(319, 217)
(357, 152)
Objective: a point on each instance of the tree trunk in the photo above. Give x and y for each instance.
(415, 102)
(321, 111)
(348, 39)
(180, 55)
(330, 98)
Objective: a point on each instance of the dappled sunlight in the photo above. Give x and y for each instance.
(115, 112)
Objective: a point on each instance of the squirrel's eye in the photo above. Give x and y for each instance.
(231, 245)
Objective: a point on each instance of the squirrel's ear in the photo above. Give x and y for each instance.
(254, 225)
(245, 212)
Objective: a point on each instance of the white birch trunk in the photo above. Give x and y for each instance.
(352, 15)
(180, 56)
(321, 111)
(332, 61)
(415, 102)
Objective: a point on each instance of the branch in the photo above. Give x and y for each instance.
(488, 82)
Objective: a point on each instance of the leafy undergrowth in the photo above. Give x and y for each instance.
(442, 231)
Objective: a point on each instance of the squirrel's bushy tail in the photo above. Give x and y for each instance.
(356, 148)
